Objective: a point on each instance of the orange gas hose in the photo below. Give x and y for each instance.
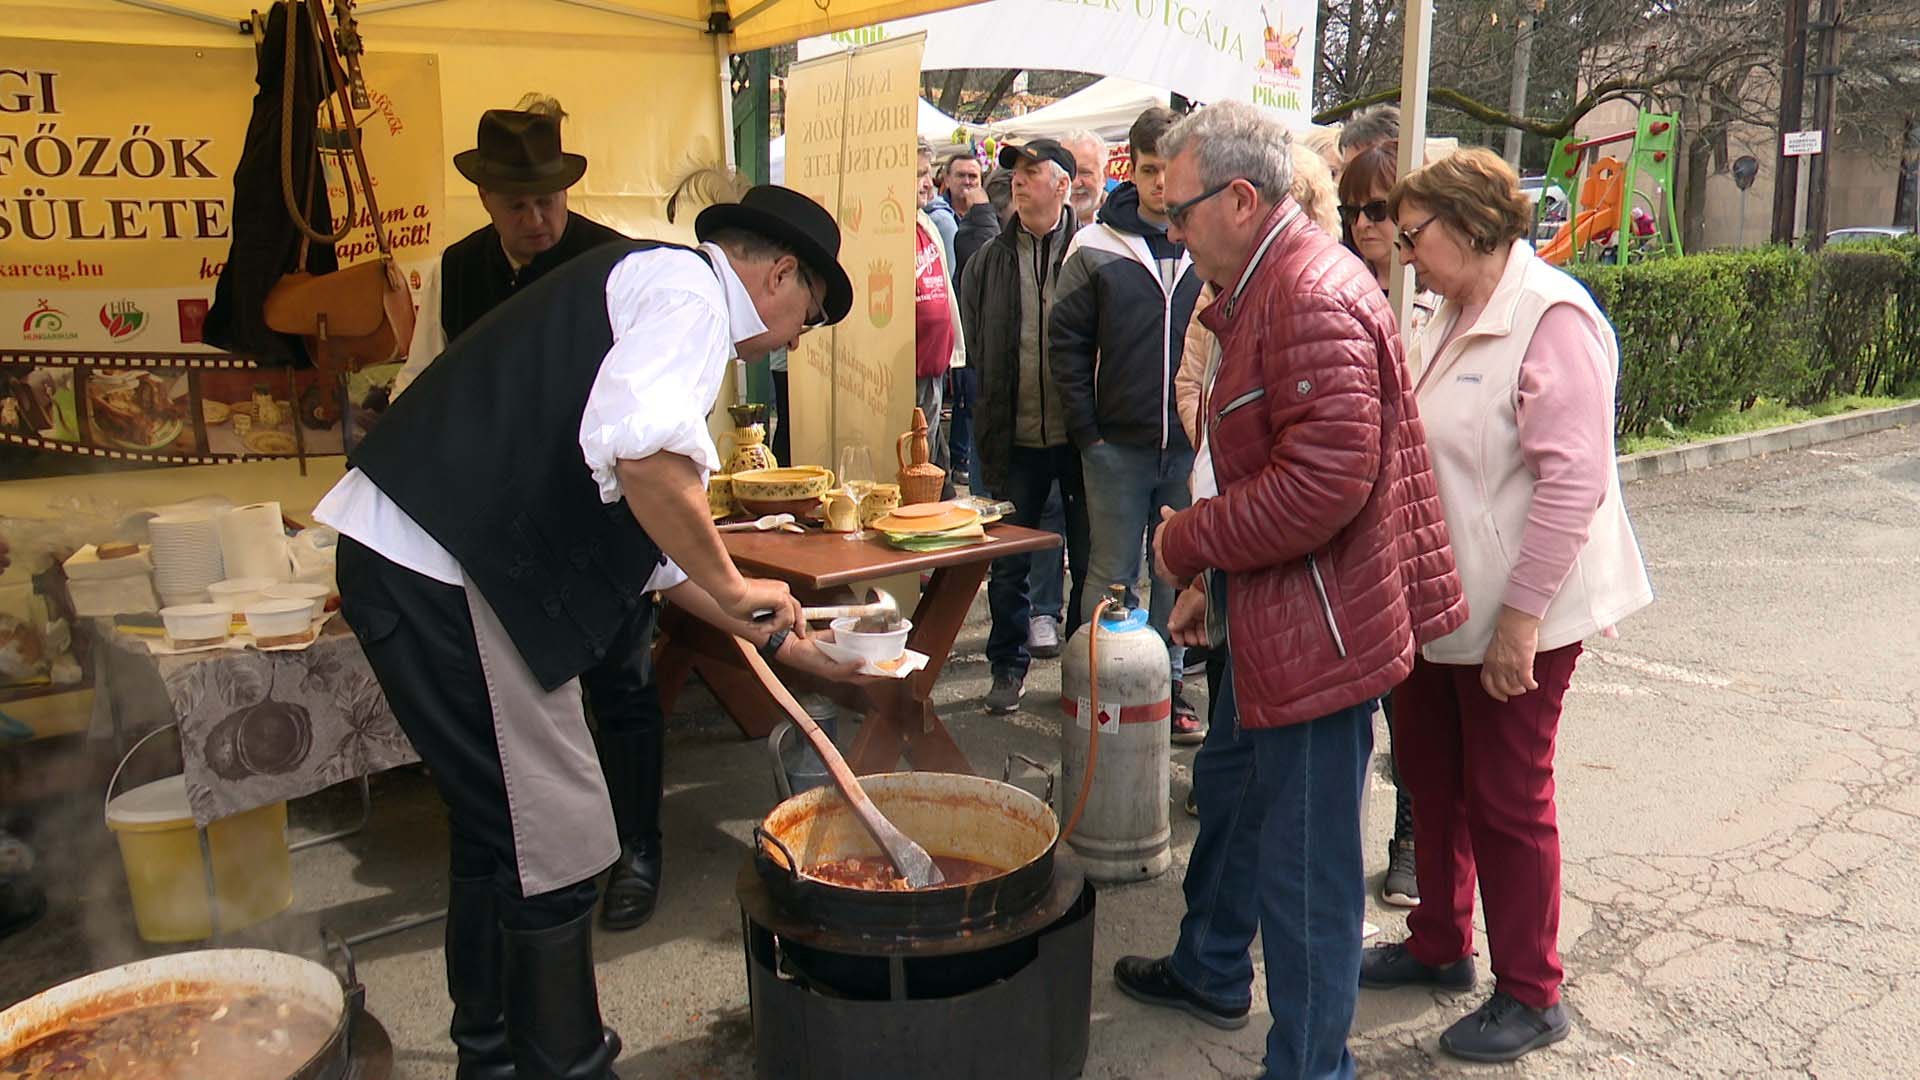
(1093, 711)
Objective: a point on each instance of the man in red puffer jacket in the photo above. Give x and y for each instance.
(1317, 529)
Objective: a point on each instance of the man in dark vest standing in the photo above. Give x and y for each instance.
(502, 528)
(523, 177)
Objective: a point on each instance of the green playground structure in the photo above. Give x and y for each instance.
(1601, 205)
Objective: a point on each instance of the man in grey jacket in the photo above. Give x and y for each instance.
(1025, 450)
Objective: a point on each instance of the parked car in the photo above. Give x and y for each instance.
(1867, 233)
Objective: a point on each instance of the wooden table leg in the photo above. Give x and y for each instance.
(672, 661)
(937, 620)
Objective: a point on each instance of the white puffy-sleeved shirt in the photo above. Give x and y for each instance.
(676, 323)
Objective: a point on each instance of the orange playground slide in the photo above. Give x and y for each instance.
(1600, 197)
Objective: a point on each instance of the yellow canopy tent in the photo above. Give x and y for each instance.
(645, 83)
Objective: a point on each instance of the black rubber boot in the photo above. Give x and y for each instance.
(632, 761)
(474, 976)
(553, 1006)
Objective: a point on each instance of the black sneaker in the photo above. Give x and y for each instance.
(1153, 982)
(1401, 888)
(1186, 729)
(1005, 695)
(1504, 1029)
(1384, 967)
(1192, 808)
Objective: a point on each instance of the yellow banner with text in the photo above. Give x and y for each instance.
(851, 131)
(116, 185)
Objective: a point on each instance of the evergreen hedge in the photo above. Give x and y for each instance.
(1721, 331)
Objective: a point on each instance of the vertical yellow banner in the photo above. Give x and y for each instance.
(851, 129)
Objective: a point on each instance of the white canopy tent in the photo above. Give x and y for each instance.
(1107, 108)
(935, 126)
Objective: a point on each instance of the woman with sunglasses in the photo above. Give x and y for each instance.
(1515, 376)
(1364, 186)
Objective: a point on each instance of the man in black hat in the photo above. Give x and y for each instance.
(1005, 297)
(523, 177)
(501, 530)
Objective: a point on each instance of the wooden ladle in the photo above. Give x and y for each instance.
(909, 858)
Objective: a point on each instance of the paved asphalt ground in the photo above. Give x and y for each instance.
(1736, 800)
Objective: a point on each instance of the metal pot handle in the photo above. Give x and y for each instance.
(1006, 773)
(774, 740)
(114, 781)
(353, 994)
(793, 864)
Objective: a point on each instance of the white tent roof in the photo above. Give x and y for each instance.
(1107, 108)
(935, 126)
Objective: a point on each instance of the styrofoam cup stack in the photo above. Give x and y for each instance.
(186, 556)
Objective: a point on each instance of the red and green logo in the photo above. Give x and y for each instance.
(122, 318)
(46, 323)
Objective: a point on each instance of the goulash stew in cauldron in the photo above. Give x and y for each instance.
(252, 1036)
(876, 872)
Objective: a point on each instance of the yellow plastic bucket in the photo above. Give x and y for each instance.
(160, 849)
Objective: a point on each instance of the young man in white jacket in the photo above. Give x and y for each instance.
(1117, 332)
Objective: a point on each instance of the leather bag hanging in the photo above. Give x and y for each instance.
(362, 314)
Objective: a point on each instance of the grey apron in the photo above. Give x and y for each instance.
(563, 831)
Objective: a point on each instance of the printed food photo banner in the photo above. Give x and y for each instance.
(116, 186)
(1260, 51)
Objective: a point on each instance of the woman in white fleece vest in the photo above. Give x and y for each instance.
(1515, 376)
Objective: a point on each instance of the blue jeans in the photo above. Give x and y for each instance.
(1031, 476)
(1279, 852)
(960, 435)
(1048, 569)
(1126, 487)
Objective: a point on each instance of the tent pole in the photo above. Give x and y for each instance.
(1413, 129)
(237, 25)
(723, 58)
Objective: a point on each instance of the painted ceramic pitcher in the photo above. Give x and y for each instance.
(750, 450)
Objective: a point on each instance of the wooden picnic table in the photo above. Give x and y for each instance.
(899, 714)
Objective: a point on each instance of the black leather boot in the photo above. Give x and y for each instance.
(631, 760)
(474, 976)
(553, 1006)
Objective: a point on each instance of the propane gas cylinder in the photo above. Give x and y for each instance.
(1122, 834)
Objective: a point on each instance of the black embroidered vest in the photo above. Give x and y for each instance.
(483, 452)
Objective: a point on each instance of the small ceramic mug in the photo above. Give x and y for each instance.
(881, 500)
(843, 514)
(720, 494)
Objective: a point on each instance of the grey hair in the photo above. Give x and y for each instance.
(1076, 138)
(1234, 140)
(1370, 127)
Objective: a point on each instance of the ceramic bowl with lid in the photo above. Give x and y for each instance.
(315, 595)
(196, 624)
(239, 593)
(274, 620)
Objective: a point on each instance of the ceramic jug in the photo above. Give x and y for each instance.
(750, 450)
(920, 479)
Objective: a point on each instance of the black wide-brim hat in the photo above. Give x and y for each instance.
(518, 153)
(797, 223)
